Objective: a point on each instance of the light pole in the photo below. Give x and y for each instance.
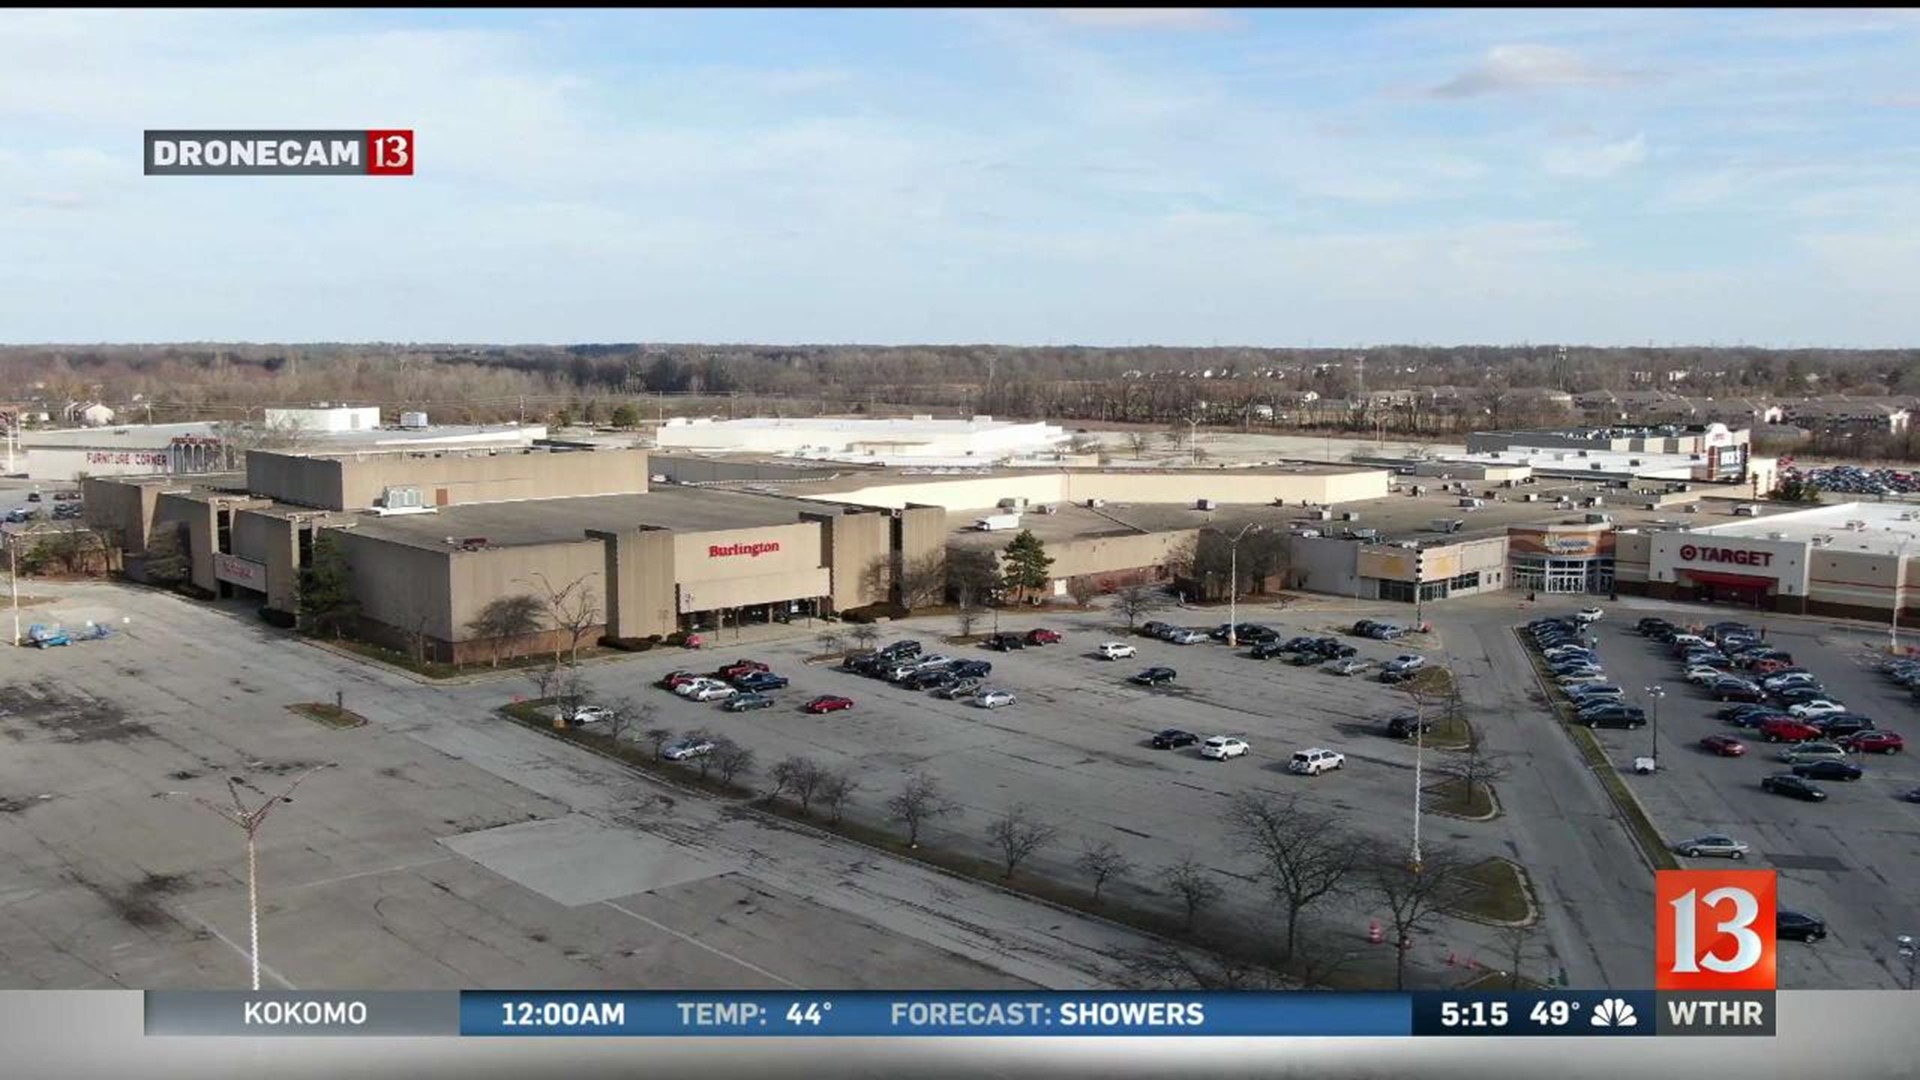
(13, 585)
(1419, 745)
(1899, 580)
(1655, 694)
(250, 820)
(1906, 950)
(1233, 584)
(1193, 440)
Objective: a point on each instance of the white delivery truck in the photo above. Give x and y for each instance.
(997, 522)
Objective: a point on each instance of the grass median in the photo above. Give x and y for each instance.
(1495, 891)
(330, 715)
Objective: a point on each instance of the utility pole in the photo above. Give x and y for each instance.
(1233, 584)
(1419, 746)
(13, 585)
(1193, 435)
(1656, 694)
(250, 820)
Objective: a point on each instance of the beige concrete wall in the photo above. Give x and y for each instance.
(275, 542)
(303, 481)
(1860, 579)
(448, 478)
(695, 559)
(477, 577)
(198, 521)
(923, 534)
(125, 509)
(639, 563)
(854, 542)
(1112, 554)
(1631, 552)
(405, 588)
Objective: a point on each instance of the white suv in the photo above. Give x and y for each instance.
(1316, 761)
(1222, 747)
(1116, 650)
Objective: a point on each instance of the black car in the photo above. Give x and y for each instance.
(1329, 649)
(1303, 659)
(1267, 650)
(931, 679)
(1798, 926)
(1841, 725)
(1295, 644)
(1364, 627)
(970, 669)
(1829, 770)
(1794, 695)
(1005, 642)
(1650, 623)
(1154, 676)
(1256, 633)
(1174, 739)
(1154, 628)
(755, 681)
(1736, 690)
(1755, 719)
(1733, 711)
(1401, 726)
(747, 702)
(1791, 785)
(900, 650)
(1664, 634)
(1612, 715)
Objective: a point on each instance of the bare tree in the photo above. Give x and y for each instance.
(657, 738)
(1138, 443)
(544, 678)
(1167, 966)
(836, 791)
(880, 577)
(802, 776)
(504, 618)
(1305, 855)
(917, 803)
(1082, 590)
(829, 642)
(1194, 885)
(701, 735)
(624, 714)
(923, 581)
(864, 635)
(1018, 836)
(573, 609)
(968, 617)
(1101, 862)
(730, 758)
(1413, 895)
(571, 690)
(1517, 949)
(1475, 765)
(1137, 600)
(973, 575)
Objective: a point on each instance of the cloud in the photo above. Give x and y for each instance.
(1519, 68)
(1595, 159)
(1148, 18)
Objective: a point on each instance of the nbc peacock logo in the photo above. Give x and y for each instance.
(1614, 1012)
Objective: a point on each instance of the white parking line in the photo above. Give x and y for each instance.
(696, 942)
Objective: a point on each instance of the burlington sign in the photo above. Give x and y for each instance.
(716, 551)
(1696, 553)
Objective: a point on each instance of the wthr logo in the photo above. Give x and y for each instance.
(1715, 930)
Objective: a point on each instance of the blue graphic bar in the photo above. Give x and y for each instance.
(870, 1013)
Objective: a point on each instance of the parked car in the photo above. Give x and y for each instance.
(1043, 636)
(1812, 751)
(1004, 642)
(827, 703)
(1704, 675)
(1793, 787)
(1335, 650)
(1222, 747)
(1590, 615)
(590, 714)
(1267, 650)
(693, 686)
(1302, 659)
(1154, 676)
(1345, 667)
(757, 681)
(1116, 650)
(1173, 739)
(1589, 676)
(1614, 715)
(1387, 632)
(1713, 844)
(971, 669)
(746, 702)
(1840, 725)
(1798, 926)
(1874, 742)
(1807, 710)
(713, 691)
(1754, 720)
(1315, 761)
(993, 699)
(1402, 726)
(1296, 644)
(1154, 628)
(1791, 730)
(929, 679)
(1828, 769)
(1186, 637)
(739, 668)
(900, 649)
(1581, 693)
(1364, 627)
(1736, 690)
(1724, 745)
(686, 748)
(672, 679)
(1651, 623)
(958, 689)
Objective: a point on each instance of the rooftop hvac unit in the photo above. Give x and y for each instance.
(1856, 526)
(413, 420)
(1350, 516)
(1320, 515)
(1095, 504)
(1776, 535)
(1049, 509)
(1204, 504)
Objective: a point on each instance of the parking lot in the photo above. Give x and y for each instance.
(1853, 859)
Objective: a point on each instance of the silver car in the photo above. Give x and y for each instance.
(1700, 847)
(993, 699)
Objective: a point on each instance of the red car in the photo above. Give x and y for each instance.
(1043, 637)
(672, 679)
(1724, 745)
(1763, 668)
(827, 703)
(1789, 731)
(739, 668)
(1873, 742)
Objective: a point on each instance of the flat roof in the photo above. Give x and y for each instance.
(554, 521)
(1882, 531)
(888, 424)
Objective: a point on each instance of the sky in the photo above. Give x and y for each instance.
(1035, 177)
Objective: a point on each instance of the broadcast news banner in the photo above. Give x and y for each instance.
(1715, 976)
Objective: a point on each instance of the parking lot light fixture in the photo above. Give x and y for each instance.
(1655, 694)
(1908, 951)
(1233, 583)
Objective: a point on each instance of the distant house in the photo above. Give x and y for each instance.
(1876, 415)
(87, 414)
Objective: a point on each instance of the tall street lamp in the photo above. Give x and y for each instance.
(250, 820)
(1906, 950)
(1233, 585)
(1655, 694)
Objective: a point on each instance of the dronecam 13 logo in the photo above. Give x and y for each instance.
(374, 152)
(1715, 930)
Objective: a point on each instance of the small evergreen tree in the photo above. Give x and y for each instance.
(327, 602)
(1026, 563)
